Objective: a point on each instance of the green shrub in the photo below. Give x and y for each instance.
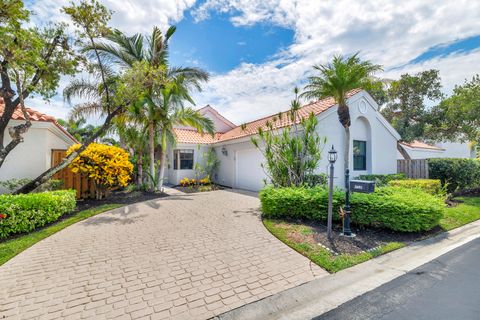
(459, 174)
(26, 212)
(431, 186)
(395, 208)
(298, 203)
(382, 179)
(313, 180)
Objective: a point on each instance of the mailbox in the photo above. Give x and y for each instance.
(362, 186)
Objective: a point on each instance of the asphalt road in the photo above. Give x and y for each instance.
(445, 288)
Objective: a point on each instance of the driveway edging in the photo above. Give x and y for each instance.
(322, 295)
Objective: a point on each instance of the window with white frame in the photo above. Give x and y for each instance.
(359, 155)
(183, 159)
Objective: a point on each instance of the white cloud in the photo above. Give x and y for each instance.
(387, 32)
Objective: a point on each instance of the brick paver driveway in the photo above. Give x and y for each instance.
(185, 257)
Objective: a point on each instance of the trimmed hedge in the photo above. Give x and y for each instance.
(458, 174)
(395, 208)
(26, 212)
(431, 186)
(382, 179)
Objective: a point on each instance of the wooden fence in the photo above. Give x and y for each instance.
(413, 169)
(85, 187)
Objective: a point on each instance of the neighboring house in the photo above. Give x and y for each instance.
(34, 155)
(422, 150)
(373, 143)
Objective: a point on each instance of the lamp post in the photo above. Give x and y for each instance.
(332, 157)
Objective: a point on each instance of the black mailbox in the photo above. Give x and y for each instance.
(362, 186)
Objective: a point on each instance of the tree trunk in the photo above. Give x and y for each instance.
(140, 169)
(163, 159)
(151, 146)
(346, 159)
(47, 175)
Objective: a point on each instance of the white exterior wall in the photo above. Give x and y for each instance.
(228, 170)
(33, 156)
(451, 150)
(174, 176)
(367, 125)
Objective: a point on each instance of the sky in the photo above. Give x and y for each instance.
(257, 51)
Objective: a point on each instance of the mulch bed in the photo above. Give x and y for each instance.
(195, 190)
(119, 197)
(366, 239)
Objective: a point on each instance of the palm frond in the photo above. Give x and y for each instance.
(192, 118)
(84, 110)
(81, 88)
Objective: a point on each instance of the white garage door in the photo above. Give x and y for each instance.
(249, 174)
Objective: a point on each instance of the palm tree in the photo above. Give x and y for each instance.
(173, 112)
(336, 79)
(125, 51)
(134, 138)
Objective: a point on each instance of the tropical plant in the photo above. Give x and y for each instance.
(335, 80)
(209, 165)
(107, 166)
(134, 138)
(152, 52)
(291, 155)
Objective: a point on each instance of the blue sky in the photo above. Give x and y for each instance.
(219, 46)
(257, 51)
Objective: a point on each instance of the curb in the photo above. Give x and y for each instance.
(322, 295)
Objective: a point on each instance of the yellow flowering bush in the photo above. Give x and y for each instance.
(107, 166)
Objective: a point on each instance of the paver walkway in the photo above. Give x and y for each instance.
(182, 257)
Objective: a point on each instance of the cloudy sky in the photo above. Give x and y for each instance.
(258, 51)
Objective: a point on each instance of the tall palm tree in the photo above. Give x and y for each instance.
(173, 112)
(125, 51)
(335, 80)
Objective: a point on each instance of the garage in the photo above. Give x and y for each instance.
(249, 174)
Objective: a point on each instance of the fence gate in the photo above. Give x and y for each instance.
(85, 187)
(413, 169)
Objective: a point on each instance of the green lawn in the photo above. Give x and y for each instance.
(11, 248)
(464, 213)
(454, 217)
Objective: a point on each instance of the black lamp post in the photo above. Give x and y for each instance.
(332, 157)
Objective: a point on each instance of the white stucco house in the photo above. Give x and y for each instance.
(421, 150)
(373, 142)
(34, 155)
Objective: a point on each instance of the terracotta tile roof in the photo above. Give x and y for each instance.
(194, 137)
(419, 144)
(35, 116)
(279, 120)
(282, 120)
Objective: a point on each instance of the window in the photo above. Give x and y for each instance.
(359, 155)
(183, 159)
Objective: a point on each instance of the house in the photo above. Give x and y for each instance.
(373, 142)
(421, 150)
(34, 155)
